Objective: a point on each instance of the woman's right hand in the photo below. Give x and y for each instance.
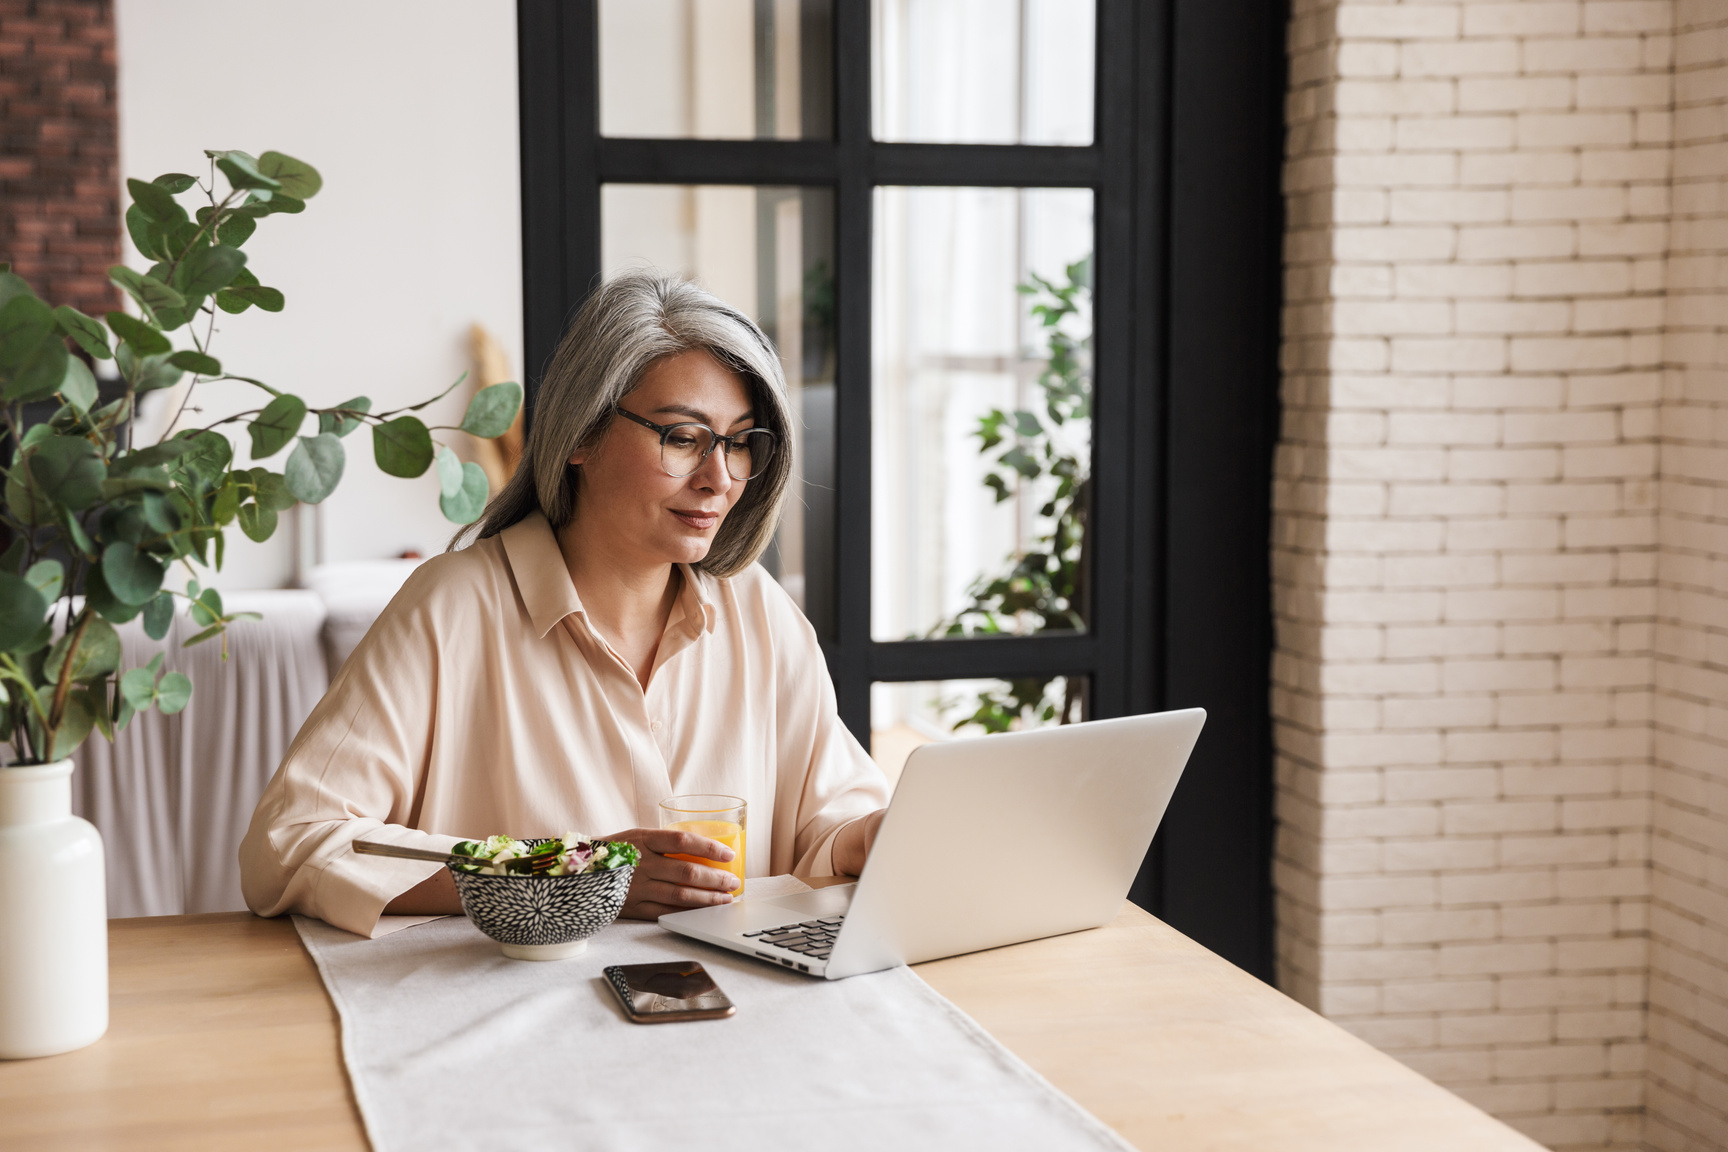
(663, 885)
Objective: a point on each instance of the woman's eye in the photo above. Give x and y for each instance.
(681, 441)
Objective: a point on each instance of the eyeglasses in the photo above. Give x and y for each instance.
(685, 447)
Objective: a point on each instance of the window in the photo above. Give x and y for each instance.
(1035, 357)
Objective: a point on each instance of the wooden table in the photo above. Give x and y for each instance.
(222, 1038)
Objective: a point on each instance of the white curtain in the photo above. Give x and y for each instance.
(172, 796)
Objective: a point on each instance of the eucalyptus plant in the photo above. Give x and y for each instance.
(1043, 588)
(88, 510)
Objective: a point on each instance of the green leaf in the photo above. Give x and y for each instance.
(79, 538)
(227, 503)
(467, 504)
(272, 490)
(11, 285)
(196, 362)
(258, 523)
(32, 353)
(98, 652)
(213, 630)
(239, 299)
(78, 386)
(402, 447)
(210, 456)
(111, 607)
(206, 606)
(231, 303)
(96, 697)
(235, 230)
(276, 425)
(175, 182)
(159, 511)
(26, 505)
(147, 373)
(314, 467)
(138, 687)
(330, 421)
(145, 340)
(294, 177)
(211, 268)
(492, 410)
(75, 725)
(449, 473)
(150, 294)
(67, 470)
(22, 607)
(159, 615)
(157, 202)
(287, 205)
(147, 237)
(37, 433)
(47, 577)
(87, 332)
(44, 636)
(134, 577)
(145, 480)
(173, 693)
(242, 170)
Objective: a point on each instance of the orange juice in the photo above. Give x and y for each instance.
(727, 833)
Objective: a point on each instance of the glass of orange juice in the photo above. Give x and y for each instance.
(716, 817)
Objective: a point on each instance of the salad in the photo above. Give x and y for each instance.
(569, 855)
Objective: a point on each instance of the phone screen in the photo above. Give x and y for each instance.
(679, 990)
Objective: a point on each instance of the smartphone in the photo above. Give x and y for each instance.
(662, 993)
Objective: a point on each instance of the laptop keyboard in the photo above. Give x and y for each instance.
(812, 938)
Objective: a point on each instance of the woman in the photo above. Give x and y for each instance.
(608, 641)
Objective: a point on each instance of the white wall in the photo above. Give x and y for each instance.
(408, 109)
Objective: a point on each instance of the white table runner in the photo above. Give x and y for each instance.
(447, 1043)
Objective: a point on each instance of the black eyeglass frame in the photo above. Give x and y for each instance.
(734, 441)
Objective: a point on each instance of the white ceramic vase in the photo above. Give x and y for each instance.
(53, 917)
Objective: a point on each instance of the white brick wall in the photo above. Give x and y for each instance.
(1687, 1098)
(1466, 555)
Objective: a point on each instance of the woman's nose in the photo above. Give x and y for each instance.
(712, 474)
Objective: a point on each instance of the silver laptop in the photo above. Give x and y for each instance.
(987, 842)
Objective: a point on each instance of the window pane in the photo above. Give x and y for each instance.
(983, 71)
(981, 410)
(769, 252)
(905, 715)
(716, 69)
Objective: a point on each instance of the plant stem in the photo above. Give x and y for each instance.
(57, 710)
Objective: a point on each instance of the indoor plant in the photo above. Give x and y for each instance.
(88, 511)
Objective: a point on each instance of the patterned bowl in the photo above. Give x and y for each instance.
(543, 917)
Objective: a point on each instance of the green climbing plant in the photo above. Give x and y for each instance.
(1041, 588)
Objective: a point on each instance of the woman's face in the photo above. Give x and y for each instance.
(625, 497)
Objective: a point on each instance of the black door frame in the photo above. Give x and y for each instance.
(1188, 220)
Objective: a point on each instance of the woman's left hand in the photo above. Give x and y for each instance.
(852, 845)
(663, 885)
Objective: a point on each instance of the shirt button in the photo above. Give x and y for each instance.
(654, 726)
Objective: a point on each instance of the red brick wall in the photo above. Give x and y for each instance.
(59, 149)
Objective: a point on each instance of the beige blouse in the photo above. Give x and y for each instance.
(482, 701)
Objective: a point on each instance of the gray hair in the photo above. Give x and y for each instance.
(624, 327)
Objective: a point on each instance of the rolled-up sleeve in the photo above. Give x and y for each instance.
(823, 768)
(352, 773)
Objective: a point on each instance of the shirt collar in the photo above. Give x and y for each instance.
(549, 595)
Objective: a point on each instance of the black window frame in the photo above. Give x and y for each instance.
(1187, 219)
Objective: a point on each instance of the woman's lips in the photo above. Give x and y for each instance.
(701, 521)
